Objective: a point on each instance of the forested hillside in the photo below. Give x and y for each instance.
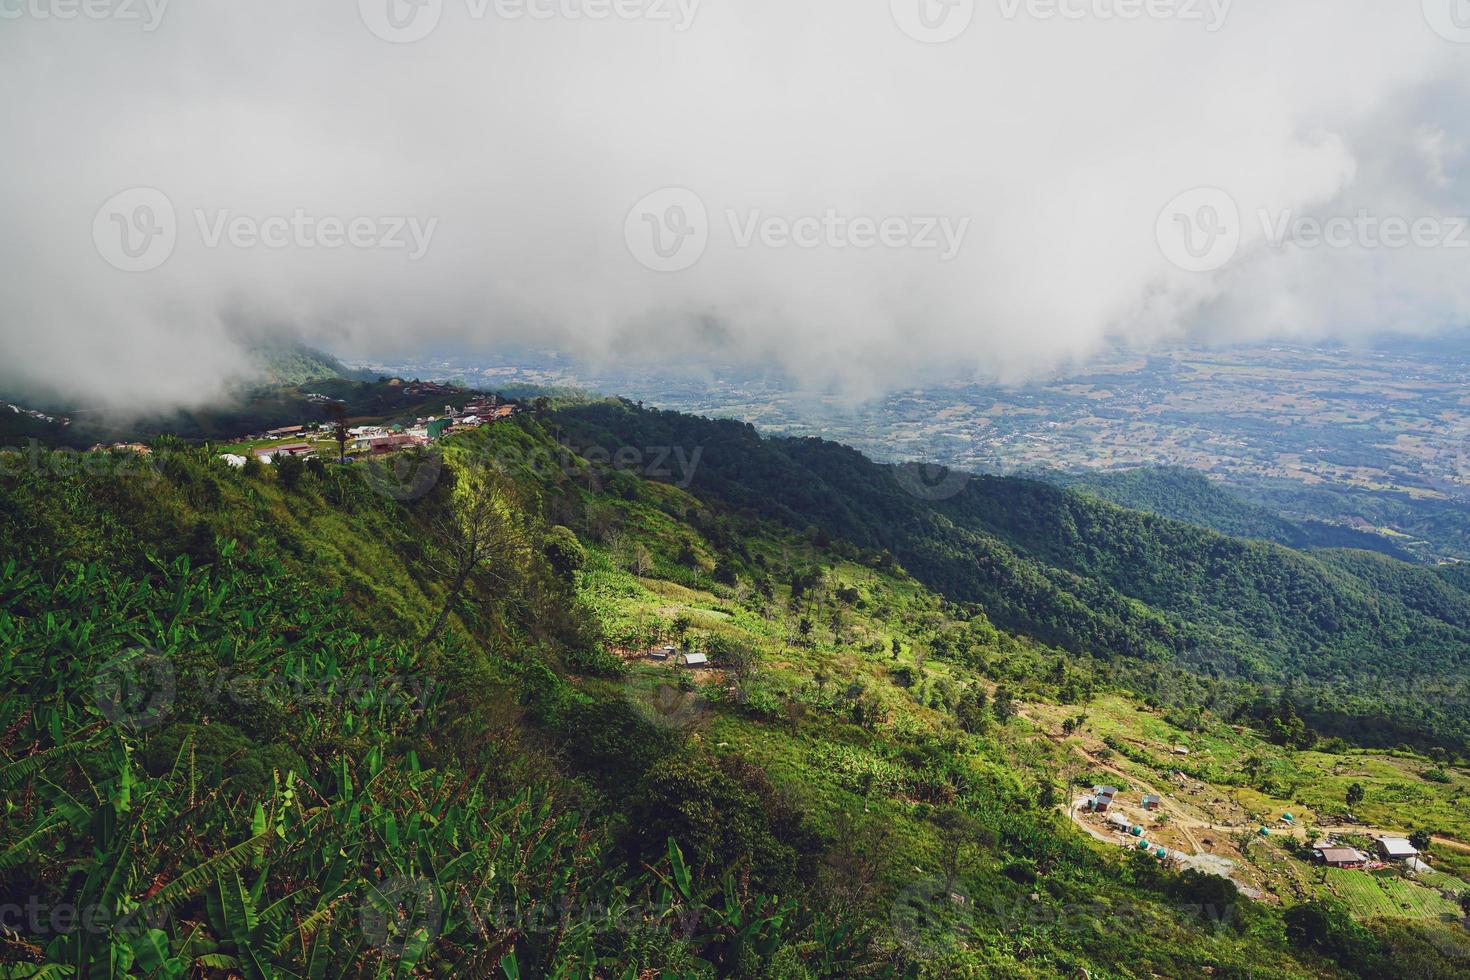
(309, 721)
(285, 363)
(1098, 580)
(1189, 496)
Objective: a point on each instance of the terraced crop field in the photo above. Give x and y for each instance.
(1380, 894)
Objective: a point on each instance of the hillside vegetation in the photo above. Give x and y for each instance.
(1101, 581)
(398, 720)
(1190, 496)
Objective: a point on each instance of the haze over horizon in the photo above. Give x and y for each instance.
(835, 196)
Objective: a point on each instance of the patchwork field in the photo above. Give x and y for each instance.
(1233, 783)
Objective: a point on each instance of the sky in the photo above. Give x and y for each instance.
(861, 193)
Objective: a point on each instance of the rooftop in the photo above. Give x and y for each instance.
(1341, 855)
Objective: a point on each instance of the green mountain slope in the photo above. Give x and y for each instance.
(235, 731)
(284, 363)
(1092, 578)
(1189, 496)
(1436, 528)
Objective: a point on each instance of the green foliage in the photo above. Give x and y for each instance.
(1326, 928)
(325, 794)
(1078, 573)
(725, 816)
(1191, 497)
(564, 552)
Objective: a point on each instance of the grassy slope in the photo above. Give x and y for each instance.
(838, 775)
(861, 741)
(866, 784)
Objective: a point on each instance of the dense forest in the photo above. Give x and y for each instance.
(1190, 496)
(1098, 580)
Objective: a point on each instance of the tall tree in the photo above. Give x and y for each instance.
(477, 533)
(337, 412)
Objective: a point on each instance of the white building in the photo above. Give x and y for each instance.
(1396, 849)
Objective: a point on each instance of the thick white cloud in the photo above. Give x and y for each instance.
(1059, 140)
